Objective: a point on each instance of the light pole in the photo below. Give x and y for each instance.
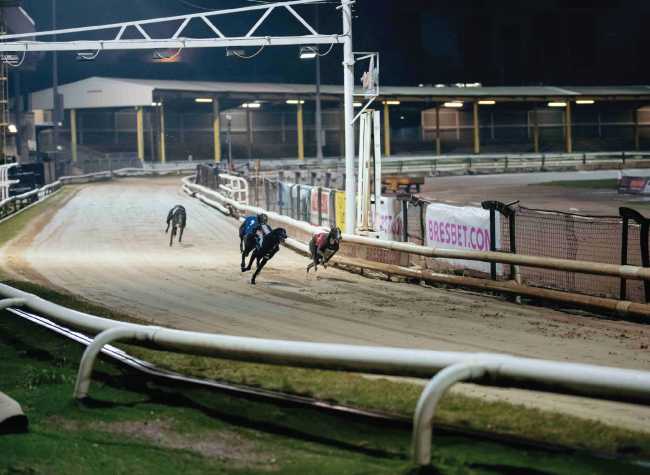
(229, 119)
(55, 95)
(319, 131)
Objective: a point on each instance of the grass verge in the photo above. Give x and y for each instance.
(608, 183)
(132, 424)
(11, 227)
(378, 394)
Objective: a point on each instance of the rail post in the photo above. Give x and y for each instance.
(280, 196)
(268, 198)
(405, 207)
(328, 179)
(320, 207)
(627, 214)
(584, 158)
(543, 161)
(312, 181)
(507, 212)
(298, 205)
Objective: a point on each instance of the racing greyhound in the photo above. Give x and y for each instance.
(323, 246)
(248, 225)
(176, 219)
(266, 243)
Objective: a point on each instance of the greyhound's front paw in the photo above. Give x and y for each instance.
(324, 266)
(253, 282)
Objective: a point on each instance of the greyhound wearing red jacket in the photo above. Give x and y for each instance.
(323, 246)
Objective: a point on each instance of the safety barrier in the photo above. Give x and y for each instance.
(446, 368)
(5, 183)
(14, 204)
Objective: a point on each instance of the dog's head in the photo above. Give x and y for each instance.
(281, 234)
(262, 218)
(335, 233)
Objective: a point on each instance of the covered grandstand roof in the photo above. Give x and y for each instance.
(118, 92)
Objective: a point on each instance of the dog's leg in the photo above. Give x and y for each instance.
(253, 257)
(167, 230)
(307, 271)
(259, 268)
(180, 238)
(243, 261)
(171, 236)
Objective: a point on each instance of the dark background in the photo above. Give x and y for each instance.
(494, 42)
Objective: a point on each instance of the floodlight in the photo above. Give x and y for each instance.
(308, 52)
(453, 104)
(12, 128)
(585, 101)
(86, 55)
(295, 101)
(486, 102)
(358, 104)
(154, 104)
(253, 105)
(8, 58)
(160, 54)
(203, 99)
(236, 51)
(393, 103)
(557, 104)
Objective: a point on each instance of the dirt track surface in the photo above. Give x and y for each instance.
(107, 243)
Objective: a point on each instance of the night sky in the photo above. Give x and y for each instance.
(275, 64)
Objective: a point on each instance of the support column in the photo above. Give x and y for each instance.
(162, 132)
(636, 127)
(477, 147)
(342, 129)
(569, 145)
(535, 127)
(140, 128)
(437, 128)
(348, 91)
(216, 130)
(386, 130)
(73, 134)
(249, 133)
(301, 145)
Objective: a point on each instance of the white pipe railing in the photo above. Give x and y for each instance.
(451, 367)
(236, 188)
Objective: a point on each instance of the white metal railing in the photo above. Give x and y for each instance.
(235, 188)
(5, 183)
(445, 367)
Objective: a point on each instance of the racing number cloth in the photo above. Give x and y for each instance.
(249, 224)
(320, 239)
(262, 231)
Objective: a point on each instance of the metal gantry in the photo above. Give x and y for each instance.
(20, 43)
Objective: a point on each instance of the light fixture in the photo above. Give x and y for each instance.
(453, 104)
(203, 99)
(8, 58)
(440, 85)
(358, 104)
(393, 103)
(160, 54)
(308, 52)
(236, 51)
(12, 128)
(585, 101)
(420, 85)
(295, 101)
(86, 55)
(402, 117)
(486, 102)
(154, 104)
(251, 105)
(557, 104)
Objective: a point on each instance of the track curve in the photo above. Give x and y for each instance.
(107, 243)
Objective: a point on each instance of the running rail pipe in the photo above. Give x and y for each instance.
(566, 378)
(596, 268)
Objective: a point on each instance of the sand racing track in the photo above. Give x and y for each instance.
(107, 243)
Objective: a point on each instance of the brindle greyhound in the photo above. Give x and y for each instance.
(266, 244)
(177, 219)
(323, 247)
(248, 225)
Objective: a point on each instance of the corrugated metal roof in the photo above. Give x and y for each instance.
(132, 91)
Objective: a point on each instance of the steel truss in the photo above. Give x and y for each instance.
(175, 41)
(15, 44)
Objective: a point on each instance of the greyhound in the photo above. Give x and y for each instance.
(176, 219)
(248, 225)
(323, 247)
(266, 243)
